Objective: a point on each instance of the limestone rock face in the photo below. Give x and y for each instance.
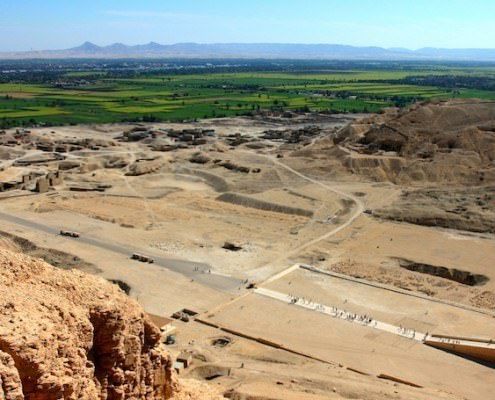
(68, 335)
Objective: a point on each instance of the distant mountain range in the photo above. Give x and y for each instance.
(256, 50)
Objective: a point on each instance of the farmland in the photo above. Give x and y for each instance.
(102, 96)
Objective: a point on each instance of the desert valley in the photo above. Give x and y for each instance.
(353, 252)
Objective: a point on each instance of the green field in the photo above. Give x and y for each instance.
(186, 97)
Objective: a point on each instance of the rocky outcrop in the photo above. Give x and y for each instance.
(68, 335)
(10, 382)
(144, 167)
(437, 142)
(200, 158)
(469, 209)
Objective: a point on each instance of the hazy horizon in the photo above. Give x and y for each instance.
(251, 43)
(46, 25)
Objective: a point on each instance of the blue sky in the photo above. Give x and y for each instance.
(54, 24)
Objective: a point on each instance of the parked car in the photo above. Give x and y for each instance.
(142, 258)
(70, 234)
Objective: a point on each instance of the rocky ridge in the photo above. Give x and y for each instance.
(68, 335)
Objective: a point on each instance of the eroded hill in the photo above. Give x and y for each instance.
(441, 154)
(445, 143)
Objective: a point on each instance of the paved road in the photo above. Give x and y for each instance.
(194, 270)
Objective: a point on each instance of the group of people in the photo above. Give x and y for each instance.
(296, 299)
(410, 333)
(401, 330)
(348, 316)
(202, 270)
(334, 311)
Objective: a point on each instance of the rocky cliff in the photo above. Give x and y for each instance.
(68, 335)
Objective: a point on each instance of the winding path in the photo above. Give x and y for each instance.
(358, 209)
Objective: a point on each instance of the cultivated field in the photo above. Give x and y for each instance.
(101, 96)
